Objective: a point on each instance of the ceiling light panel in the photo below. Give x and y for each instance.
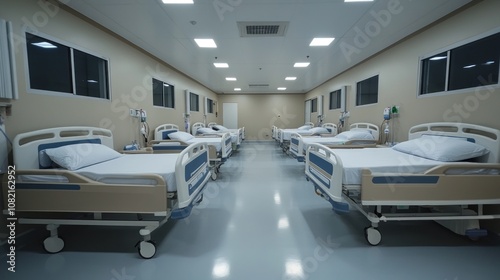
(230, 79)
(321, 42)
(282, 88)
(291, 78)
(205, 43)
(177, 1)
(301, 64)
(221, 65)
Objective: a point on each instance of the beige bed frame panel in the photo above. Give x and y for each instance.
(105, 198)
(468, 189)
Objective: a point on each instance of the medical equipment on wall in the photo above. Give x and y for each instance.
(186, 122)
(320, 120)
(387, 126)
(343, 116)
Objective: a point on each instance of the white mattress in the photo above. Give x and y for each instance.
(212, 141)
(160, 164)
(381, 160)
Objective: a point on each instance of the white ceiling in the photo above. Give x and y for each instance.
(168, 32)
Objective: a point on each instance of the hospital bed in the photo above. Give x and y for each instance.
(285, 135)
(240, 131)
(275, 129)
(237, 135)
(73, 172)
(359, 135)
(438, 184)
(220, 146)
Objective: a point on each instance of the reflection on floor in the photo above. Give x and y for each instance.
(262, 220)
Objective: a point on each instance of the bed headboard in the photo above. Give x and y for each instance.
(485, 136)
(309, 124)
(162, 131)
(331, 127)
(27, 146)
(196, 126)
(373, 129)
(211, 124)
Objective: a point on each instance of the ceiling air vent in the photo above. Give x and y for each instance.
(262, 28)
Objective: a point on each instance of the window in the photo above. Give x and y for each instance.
(163, 94)
(194, 106)
(469, 65)
(314, 105)
(367, 91)
(335, 99)
(210, 106)
(434, 73)
(52, 67)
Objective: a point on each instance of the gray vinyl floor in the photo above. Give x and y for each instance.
(262, 220)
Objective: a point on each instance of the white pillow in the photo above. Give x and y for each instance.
(73, 157)
(319, 130)
(181, 136)
(441, 148)
(219, 128)
(305, 127)
(204, 130)
(356, 135)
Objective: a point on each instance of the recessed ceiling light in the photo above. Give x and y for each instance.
(237, 89)
(282, 88)
(301, 64)
(291, 78)
(205, 43)
(45, 45)
(470, 66)
(321, 42)
(177, 1)
(489, 62)
(221, 65)
(230, 79)
(358, 1)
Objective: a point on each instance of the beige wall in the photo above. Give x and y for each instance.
(131, 72)
(397, 68)
(258, 113)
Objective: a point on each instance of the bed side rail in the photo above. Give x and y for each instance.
(297, 146)
(226, 146)
(192, 173)
(325, 170)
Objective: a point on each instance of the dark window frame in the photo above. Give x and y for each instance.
(367, 91)
(337, 96)
(194, 106)
(167, 98)
(468, 66)
(85, 74)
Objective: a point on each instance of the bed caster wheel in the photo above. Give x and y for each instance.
(214, 176)
(53, 244)
(147, 249)
(373, 236)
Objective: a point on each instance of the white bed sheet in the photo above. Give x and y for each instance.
(160, 164)
(381, 160)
